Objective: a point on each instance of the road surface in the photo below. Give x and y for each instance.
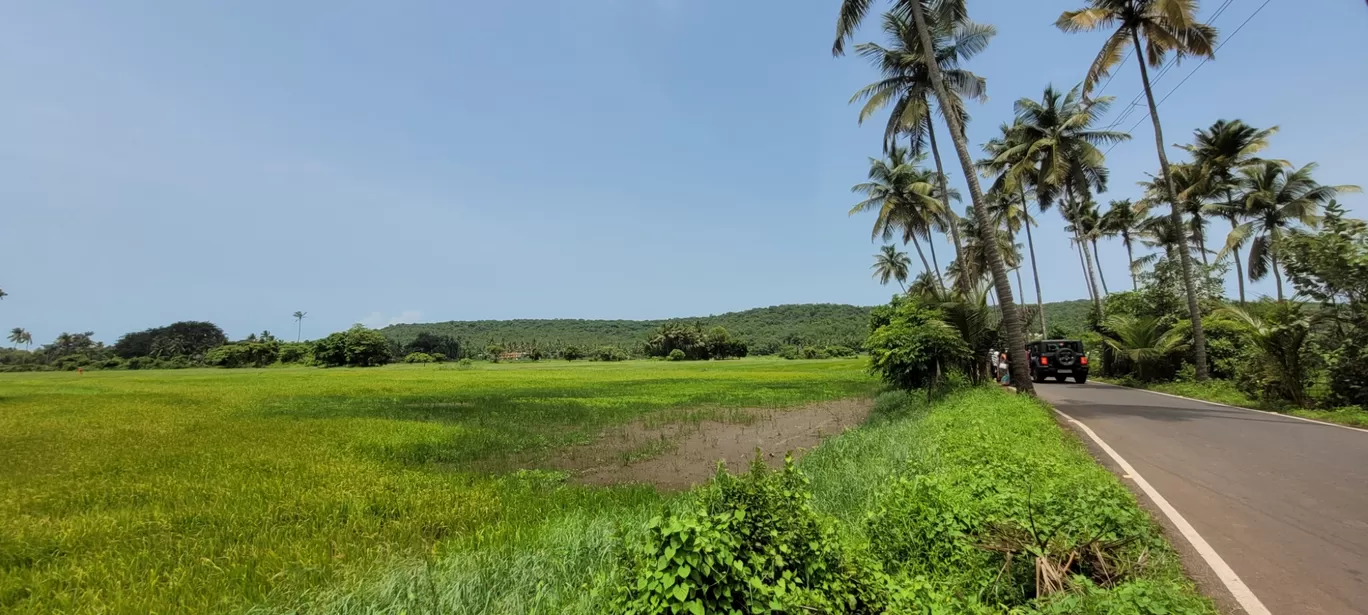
(1283, 501)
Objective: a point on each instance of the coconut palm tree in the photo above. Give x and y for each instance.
(1006, 166)
(3, 294)
(1054, 147)
(1123, 220)
(972, 270)
(1277, 198)
(17, 335)
(1222, 150)
(904, 198)
(1141, 341)
(890, 264)
(299, 322)
(952, 11)
(1166, 26)
(906, 83)
(1082, 220)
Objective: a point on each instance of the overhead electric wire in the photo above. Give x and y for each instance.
(1194, 70)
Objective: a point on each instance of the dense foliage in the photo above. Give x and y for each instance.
(694, 344)
(979, 504)
(355, 347)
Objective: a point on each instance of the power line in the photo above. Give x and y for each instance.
(1194, 70)
(1158, 76)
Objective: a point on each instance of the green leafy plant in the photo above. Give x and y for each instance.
(748, 544)
(419, 357)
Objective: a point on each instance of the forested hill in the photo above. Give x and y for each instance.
(808, 324)
(764, 329)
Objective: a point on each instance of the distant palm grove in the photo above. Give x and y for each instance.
(1170, 320)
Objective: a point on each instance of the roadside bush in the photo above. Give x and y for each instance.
(419, 357)
(676, 355)
(748, 544)
(916, 348)
(355, 347)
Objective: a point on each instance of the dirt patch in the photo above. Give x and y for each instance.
(682, 454)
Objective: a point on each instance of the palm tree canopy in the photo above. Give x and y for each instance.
(17, 335)
(906, 82)
(890, 264)
(300, 315)
(1141, 339)
(1275, 199)
(1227, 146)
(904, 196)
(1123, 219)
(1164, 27)
(853, 12)
(1053, 143)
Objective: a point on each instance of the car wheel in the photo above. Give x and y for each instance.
(1080, 379)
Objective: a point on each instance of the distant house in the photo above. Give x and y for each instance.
(511, 356)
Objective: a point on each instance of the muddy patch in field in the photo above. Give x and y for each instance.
(674, 451)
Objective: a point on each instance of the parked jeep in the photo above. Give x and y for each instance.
(1059, 359)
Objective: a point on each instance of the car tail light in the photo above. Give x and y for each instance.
(1083, 360)
(1044, 360)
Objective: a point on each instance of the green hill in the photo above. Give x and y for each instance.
(763, 329)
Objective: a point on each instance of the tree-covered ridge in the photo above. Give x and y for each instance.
(764, 330)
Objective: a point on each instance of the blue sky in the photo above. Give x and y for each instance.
(236, 162)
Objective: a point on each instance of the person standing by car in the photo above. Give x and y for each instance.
(1004, 373)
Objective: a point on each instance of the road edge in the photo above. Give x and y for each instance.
(1230, 581)
(1216, 403)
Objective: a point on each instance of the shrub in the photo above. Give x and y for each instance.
(839, 352)
(749, 544)
(419, 357)
(465, 363)
(608, 353)
(676, 355)
(355, 347)
(788, 352)
(812, 352)
(572, 353)
(916, 349)
(295, 352)
(244, 354)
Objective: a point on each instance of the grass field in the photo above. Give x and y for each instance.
(278, 489)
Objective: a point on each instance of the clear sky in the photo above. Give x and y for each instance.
(372, 162)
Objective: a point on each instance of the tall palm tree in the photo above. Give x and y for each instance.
(1276, 198)
(1167, 26)
(299, 322)
(1056, 149)
(906, 84)
(1007, 164)
(17, 335)
(951, 11)
(890, 264)
(904, 198)
(1123, 220)
(1222, 150)
(1082, 219)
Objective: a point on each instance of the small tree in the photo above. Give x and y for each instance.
(916, 348)
(355, 347)
(1141, 343)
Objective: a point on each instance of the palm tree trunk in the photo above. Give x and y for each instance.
(1277, 277)
(1035, 271)
(1239, 274)
(1130, 262)
(931, 243)
(1189, 285)
(299, 331)
(1021, 289)
(916, 244)
(1083, 266)
(951, 217)
(1016, 338)
(1098, 256)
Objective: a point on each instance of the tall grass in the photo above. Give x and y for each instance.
(290, 489)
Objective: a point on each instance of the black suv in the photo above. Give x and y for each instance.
(1058, 358)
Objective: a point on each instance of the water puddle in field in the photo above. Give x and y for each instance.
(684, 452)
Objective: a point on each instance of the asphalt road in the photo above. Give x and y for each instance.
(1284, 502)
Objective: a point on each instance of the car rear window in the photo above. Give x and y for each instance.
(1074, 346)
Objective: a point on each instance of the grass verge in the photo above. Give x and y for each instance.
(1225, 392)
(978, 503)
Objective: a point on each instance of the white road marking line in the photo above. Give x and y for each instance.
(1213, 403)
(1243, 595)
